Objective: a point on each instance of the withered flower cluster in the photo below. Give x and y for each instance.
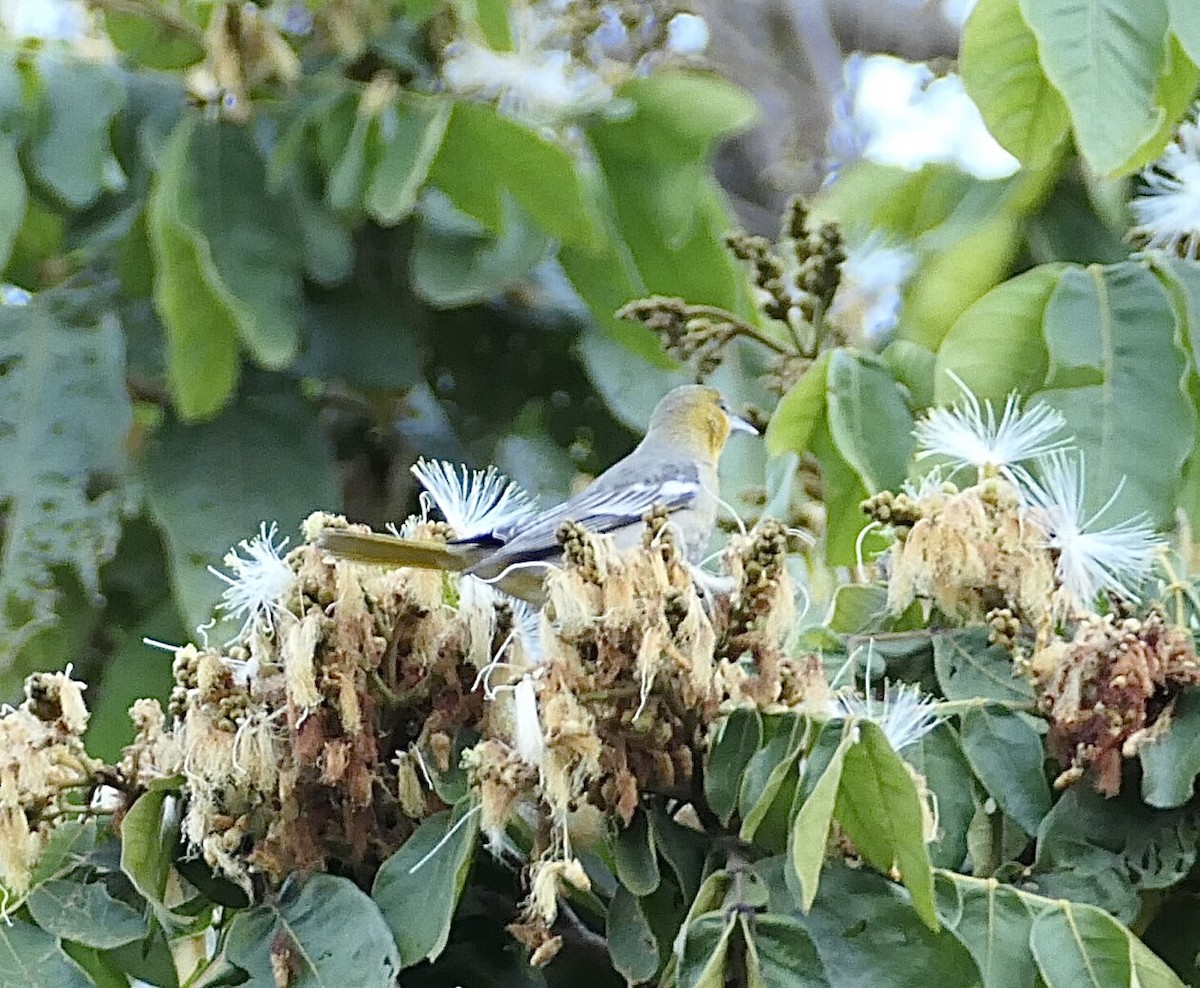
(44, 772)
(1107, 683)
(1110, 690)
(329, 728)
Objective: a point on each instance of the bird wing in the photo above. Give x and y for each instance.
(604, 506)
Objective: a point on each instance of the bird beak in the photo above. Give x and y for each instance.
(739, 424)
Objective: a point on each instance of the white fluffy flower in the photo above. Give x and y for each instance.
(899, 113)
(687, 34)
(970, 435)
(260, 579)
(473, 502)
(542, 84)
(867, 303)
(1090, 559)
(905, 714)
(1168, 216)
(527, 725)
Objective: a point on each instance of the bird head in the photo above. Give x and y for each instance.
(697, 419)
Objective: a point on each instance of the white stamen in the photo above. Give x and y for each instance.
(473, 502)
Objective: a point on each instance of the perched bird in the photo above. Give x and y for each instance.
(673, 467)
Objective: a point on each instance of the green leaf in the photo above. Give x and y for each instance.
(634, 856)
(417, 888)
(64, 416)
(1007, 756)
(73, 156)
(779, 951)
(484, 153)
(411, 136)
(1117, 373)
(1176, 89)
(997, 345)
(690, 111)
(228, 260)
(870, 423)
(879, 806)
(205, 490)
(683, 848)
(867, 933)
(1183, 278)
(1185, 23)
(1001, 72)
(737, 738)
(968, 667)
(843, 493)
(165, 42)
(1077, 945)
(767, 769)
(631, 942)
(33, 958)
(86, 913)
(859, 609)
(794, 422)
(993, 922)
(938, 756)
(1171, 763)
(1104, 58)
(810, 831)
(12, 196)
(454, 262)
(149, 833)
(324, 928)
(705, 946)
(68, 844)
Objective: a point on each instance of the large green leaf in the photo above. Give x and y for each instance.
(968, 667)
(1007, 755)
(323, 929)
(634, 856)
(228, 262)
(736, 739)
(779, 951)
(869, 420)
(631, 942)
(12, 195)
(210, 485)
(1104, 57)
(868, 934)
(1171, 763)
(993, 922)
(72, 155)
(939, 758)
(33, 958)
(705, 946)
(879, 807)
(997, 345)
(417, 888)
(1072, 944)
(455, 262)
(767, 771)
(64, 416)
(411, 133)
(86, 913)
(807, 843)
(1080, 946)
(483, 154)
(1117, 374)
(1185, 23)
(1002, 75)
(794, 422)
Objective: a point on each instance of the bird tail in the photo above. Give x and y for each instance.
(391, 550)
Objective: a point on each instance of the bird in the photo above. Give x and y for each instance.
(673, 468)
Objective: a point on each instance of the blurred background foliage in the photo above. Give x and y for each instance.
(260, 258)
